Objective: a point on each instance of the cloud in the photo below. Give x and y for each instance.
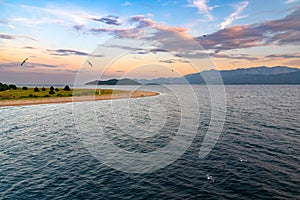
(27, 37)
(281, 56)
(141, 21)
(120, 33)
(291, 1)
(78, 27)
(7, 37)
(132, 29)
(69, 52)
(13, 37)
(202, 7)
(29, 47)
(167, 61)
(235, 15)
(66, 52)
(235, 57)
(285, 31)
(157, 51)
(126, 3)
(174, 61)
(109, 20)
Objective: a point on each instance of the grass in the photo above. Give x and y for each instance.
(31, 94)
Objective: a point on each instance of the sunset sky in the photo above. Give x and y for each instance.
(143, 39)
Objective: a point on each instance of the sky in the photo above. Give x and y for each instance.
(78, 41)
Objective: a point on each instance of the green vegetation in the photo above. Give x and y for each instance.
(4, 87)
(31, 93)
(36, 89)
(67, 88)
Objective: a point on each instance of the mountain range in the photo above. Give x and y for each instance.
(251, 76)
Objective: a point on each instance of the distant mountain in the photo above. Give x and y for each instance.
(114, 82)
(263, 70)
(256, 75)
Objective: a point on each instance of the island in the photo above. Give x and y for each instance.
(11, 95)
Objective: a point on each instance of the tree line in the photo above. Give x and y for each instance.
(4, 87)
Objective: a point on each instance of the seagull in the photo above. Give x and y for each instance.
(243, 160)
(90, 63)
(209, 177)
(24, 61)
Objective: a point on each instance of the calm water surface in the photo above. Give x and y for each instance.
(257, 155)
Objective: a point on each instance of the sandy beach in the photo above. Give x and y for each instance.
(129, 94)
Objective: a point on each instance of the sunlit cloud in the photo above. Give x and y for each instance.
(285, 31)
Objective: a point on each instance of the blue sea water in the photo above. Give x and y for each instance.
(257, 155)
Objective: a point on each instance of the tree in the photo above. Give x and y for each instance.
(43, 89)
(24, 88)
(51, 92)
(14, 87)
(51, 88)
(56, 89)
(36, 89)
(67, 88)
(3, 87)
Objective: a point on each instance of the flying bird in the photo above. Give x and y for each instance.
(90, 63)
(204, 35)
(24, 61)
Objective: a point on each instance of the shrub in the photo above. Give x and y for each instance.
(36, 89)
(67, 88)
(59, 95)
(47, 95)
(24, 88)
(14, 87)
(43, 89)
(56, 89)
(51, 92)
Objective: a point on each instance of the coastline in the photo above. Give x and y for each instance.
(26, 102)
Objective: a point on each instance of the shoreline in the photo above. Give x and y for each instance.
(27, 102)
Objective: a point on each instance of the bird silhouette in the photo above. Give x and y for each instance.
(24, 61)
(90, 63)
(204, 35)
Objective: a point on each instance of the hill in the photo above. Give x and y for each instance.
(114, 82)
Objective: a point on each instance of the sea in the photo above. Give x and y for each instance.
(189, 142)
